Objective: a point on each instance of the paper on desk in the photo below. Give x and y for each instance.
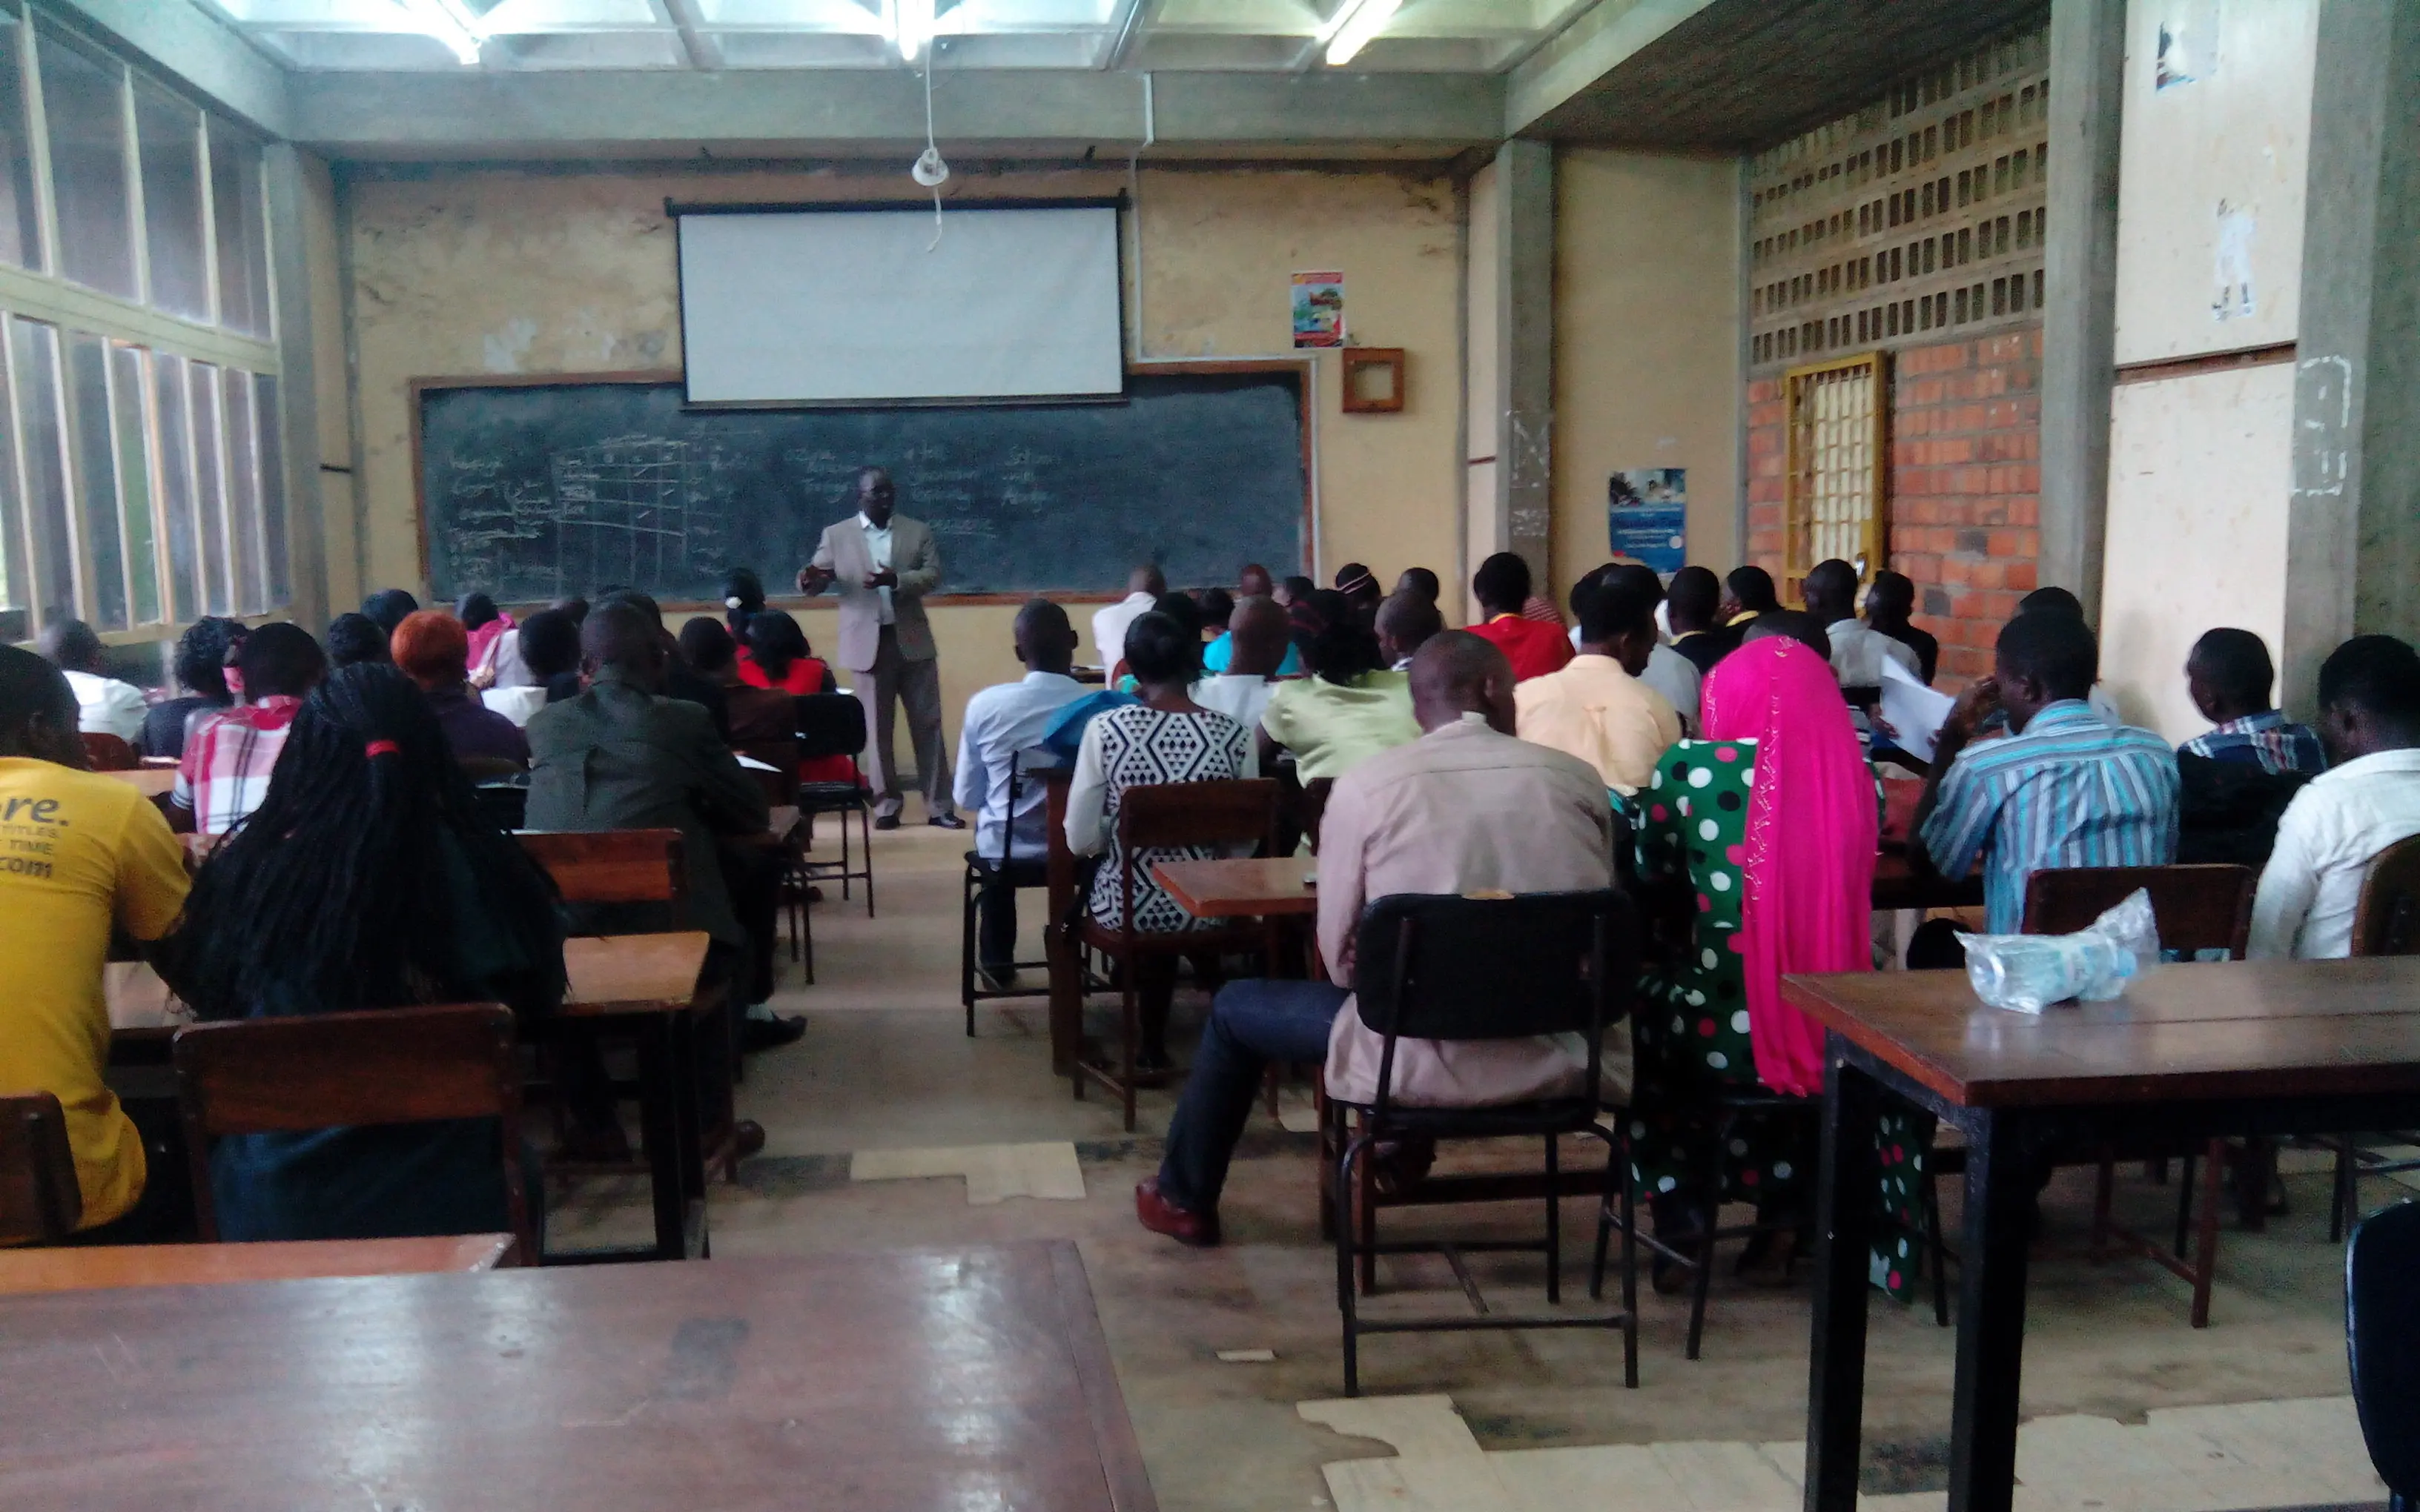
(751, 763)
(1915, 712)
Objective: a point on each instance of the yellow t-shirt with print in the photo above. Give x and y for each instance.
(77, 849)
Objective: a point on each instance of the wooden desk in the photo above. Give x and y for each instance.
(2192, 1052)
(151, 781)
(1253, 887)
(874, 1382)
(106, 1266)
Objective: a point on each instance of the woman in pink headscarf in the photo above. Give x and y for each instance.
(1770, 819)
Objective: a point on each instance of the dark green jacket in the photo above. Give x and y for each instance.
(616, 758)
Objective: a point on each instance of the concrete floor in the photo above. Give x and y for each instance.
(885, 1064)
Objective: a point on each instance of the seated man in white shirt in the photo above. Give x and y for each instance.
(1002, 724)
(104, 705)
(1858, 650)
(2365, 801)
(1143, 587)
(1259, 634)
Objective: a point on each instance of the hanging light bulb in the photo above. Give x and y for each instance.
(912, 27)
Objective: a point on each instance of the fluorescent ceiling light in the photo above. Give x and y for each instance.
(912, 27)
(451, 22)
(1354, 25)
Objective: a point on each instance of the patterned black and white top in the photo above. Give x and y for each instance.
(1136, 746)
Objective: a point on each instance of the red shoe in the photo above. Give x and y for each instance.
(1161, 1216)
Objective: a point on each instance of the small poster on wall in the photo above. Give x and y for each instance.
(1647, 516)
(2188, 48)
(1319, 309)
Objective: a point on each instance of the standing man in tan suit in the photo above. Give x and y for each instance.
(885, 564)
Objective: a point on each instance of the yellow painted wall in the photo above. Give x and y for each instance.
(1647, 346)
(470, 272)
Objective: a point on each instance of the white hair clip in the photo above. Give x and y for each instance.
(733, 602)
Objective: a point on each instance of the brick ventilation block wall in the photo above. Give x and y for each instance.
(1966, 461)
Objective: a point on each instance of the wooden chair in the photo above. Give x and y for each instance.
(105, 753)
(40, 1201)
(612, 866)
(385, 1066)
(1169, 816)
(2385, 922)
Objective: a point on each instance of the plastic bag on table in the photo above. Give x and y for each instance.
(2029, 972)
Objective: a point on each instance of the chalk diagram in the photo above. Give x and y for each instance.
(635, 509)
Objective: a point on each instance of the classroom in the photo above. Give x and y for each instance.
(1477, 754)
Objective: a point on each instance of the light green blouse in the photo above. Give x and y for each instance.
(1331, 729)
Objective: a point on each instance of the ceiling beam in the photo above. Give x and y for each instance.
(201, 52)
(1596, 42)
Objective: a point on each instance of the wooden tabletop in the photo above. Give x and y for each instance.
(151, 781)
(901, 1379)
(180, 1265)
(610, 975)
(1253, 887)
(2270, 1029)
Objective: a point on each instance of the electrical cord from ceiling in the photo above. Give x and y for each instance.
(930, 170)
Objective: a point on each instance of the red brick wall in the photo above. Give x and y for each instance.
(1965, 429)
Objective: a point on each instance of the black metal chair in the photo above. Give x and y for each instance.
(1006, 870)
(2383, 1337)
(1447, 967)
(833, 724)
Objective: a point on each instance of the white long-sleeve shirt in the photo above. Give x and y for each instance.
(104, 705)
(2330, 834)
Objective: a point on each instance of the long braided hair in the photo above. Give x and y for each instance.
(341, 891)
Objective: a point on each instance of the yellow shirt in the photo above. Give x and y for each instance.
(1330, 730)
(1597, 712)
(76, 849)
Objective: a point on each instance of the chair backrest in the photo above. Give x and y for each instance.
(610, 866)
(505, 805)
(1027, 771)
(105, 753)
(2382, 1336)
(1443, 967)
(39, 1198)
(831, 724)
(2387, 921)
(2198, 907)
(383, 1066)
(1232, 812)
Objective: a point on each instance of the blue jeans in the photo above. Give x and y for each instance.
(1252, 1023)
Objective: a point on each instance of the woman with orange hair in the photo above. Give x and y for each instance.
(434, 651)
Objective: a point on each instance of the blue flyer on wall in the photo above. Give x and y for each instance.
(1647, 514)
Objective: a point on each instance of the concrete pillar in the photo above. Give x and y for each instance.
(298, 398)
(2088, 65)
(1525, 352)
(2353, 556)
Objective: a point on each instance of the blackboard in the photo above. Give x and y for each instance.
(531, 491)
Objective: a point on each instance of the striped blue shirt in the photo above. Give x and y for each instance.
(2072, 791)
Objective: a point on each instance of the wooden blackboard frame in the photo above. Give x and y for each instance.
(1306, 416)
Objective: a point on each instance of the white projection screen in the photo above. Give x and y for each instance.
(860, 305)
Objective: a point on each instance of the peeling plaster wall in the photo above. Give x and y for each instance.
(467, 271)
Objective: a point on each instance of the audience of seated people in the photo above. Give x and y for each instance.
(1693, 604)
(1464, 807)
(431, 648)
(756, 714)
(487, 628)
(104, 704)
(2056, 600)
(1747, 592)
(1252, 582)
(1359, 587)
(1406, 623)
(1144, 586)
(1859, 651)
(224, 772)
(200, 665)
(1348, 709)
(1888, 605)
(545, 665)
(778, 657)
(387, 606)
(368, 880)
(1668, 671)
(1163, 737)
(1596, 708)
(996, 739)
(2229, 677)
(1533, 647)
(507, 661)
(355, 639)
(1263, 640)
(679, 682)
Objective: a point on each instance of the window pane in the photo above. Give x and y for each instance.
(177, 484)
(127, 390)
(20, 237)
(168, 133)
(243, 494)
(88, 130)
(210, 519)
(273, 493)
(97, 460)
(243, 242)
(37, 350)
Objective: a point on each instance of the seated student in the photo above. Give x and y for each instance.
(546, 657)
(354, 639)
(1293, 590)
(1218, 608)
(2334, 830)
(757, 713)
(2230, 676)
(1466, 808)
(487, 628)
(1596, 708)
(433, 650)
(370, 881)
(1667, 673)
(224, 772)
(2063, 789)
(1360, 590)
(1406, 622)
(1748, 592)
(1348, 710)
(1419, 582)
(1889, 604)
(780, 659)
(1002, 727)
(1252, 582)
(1144, 586)
(1501, 585)
(388, 606)
(109, 858)
(104, 705)
(679, 680)
(743, 599)
(1165, 737)
(506, 665)
(1694, 604)
(1858, 650)
(1263, 641)
(200, 667)
(2055, 601)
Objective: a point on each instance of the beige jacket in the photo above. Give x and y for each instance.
(1595, 711)
(1459, 809)
(845, 554)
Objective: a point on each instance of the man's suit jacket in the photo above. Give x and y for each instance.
(843, 552)
(617, 758)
